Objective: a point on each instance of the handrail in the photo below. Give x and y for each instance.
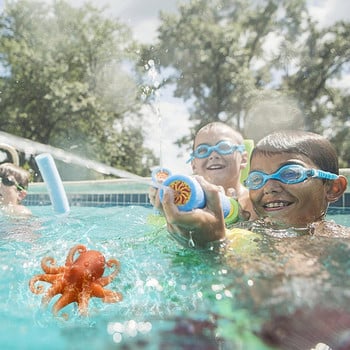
(12, 151)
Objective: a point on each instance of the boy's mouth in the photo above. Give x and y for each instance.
(276, 205)
(215, 167)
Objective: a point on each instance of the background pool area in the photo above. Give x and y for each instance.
(339, 215)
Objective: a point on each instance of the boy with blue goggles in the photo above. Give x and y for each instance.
(287, 174)
(222, 147)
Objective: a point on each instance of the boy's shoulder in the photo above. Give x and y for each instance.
(16, 210)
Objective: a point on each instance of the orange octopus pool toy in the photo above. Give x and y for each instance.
(78, 280)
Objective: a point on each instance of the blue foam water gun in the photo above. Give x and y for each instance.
(189, 195)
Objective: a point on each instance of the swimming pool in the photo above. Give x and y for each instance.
(174, 298)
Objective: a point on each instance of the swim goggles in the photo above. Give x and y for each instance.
(7, 182)
(287, 174)
(222, 147)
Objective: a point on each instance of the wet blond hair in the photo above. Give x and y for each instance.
(21, 175)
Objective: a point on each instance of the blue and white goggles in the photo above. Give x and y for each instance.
(287, 174)
(222, 147)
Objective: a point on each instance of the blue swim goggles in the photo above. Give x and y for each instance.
(287, 174)
(222, 147)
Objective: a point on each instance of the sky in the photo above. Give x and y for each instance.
(167, 120)
(171, 119)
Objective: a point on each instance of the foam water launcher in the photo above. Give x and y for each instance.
(159, 174)
(189, 195)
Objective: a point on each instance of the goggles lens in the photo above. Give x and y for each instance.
(8, 183)
(287, 174)
(222, 147)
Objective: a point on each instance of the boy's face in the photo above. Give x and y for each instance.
(9, 194)
(223, 170)
(290, 205)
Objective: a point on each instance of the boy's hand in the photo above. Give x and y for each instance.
(200, 225)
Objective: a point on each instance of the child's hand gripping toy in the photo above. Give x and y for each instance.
(188, 195)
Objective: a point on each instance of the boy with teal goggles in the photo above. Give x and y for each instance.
(287, 174)
(222, 147)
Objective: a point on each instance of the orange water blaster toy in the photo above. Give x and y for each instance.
(159, 175)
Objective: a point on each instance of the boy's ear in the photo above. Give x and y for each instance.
(193, 166)
(22, 194)
(337, 188)
(244, 161)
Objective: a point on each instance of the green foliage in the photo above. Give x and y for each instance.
(68, 82)
(226, 56)
(324, 61)
(72, 78)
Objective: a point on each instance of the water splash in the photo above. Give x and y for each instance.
(31, 147)
(154, 78)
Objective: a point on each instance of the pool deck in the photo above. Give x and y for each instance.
(121, 192)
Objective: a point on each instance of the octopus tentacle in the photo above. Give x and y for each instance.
(64, 300)
(50, 269)
(83, 300)
(112, 297)
(70, 257)
(43, 278)
(56, 288)
(112, 262)
(103, 281)
(107, 295)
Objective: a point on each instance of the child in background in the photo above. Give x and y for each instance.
(14, 182)
(294, 175)
(219, 156)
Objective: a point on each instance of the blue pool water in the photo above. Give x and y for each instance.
(174, 298)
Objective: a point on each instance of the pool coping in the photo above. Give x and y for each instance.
(116, 192)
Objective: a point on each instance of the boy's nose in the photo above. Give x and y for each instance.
(214, 155)
(272, 186)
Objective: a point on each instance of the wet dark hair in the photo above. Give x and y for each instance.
(314, 146)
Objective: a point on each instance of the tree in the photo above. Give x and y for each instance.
(226, 56)
(324, 60)
(68, 81)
